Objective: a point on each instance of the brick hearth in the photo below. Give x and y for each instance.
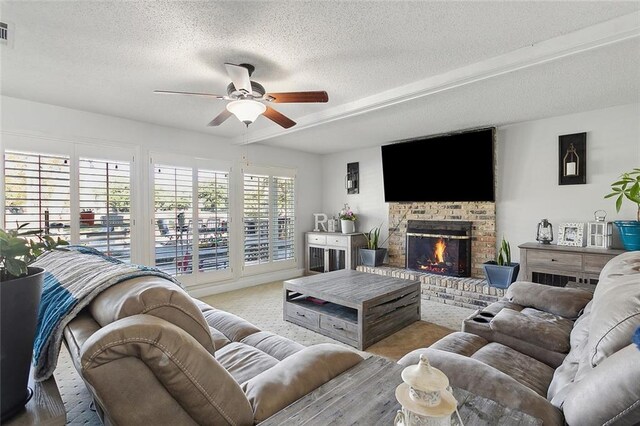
(470, 293)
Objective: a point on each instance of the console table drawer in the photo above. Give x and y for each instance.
(338, 241)
(568, 261)
(302, 315)
(594, 263)
(317, 239)
(337, 327)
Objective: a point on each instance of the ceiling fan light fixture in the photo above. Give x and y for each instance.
(246, 110)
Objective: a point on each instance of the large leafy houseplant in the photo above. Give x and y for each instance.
(20, 290)
(628, 187)
(501, 272)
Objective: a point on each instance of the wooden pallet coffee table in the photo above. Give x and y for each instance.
(365, 395)
(360, 308)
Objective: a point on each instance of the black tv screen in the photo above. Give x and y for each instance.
(454, 167)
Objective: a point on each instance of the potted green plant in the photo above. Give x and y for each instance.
(20, 290)
(347, 220)
(628, 187)
(373, 255)
(501, 272)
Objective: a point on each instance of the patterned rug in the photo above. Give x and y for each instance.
(262, 306)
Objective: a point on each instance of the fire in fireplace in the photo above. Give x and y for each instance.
(439, 247)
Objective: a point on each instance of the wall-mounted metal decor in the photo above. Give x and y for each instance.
(572, 156)
(352, 180)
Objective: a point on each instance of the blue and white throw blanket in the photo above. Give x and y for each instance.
(73, 278)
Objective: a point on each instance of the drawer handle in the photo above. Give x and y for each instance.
(553, 260)
(337, 327)
(299, 314)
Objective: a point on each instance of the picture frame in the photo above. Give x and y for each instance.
(572, 234)
(572, 159)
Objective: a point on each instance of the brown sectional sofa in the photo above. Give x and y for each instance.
(150, 354)
(528, 351)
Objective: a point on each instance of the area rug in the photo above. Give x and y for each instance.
(418, 335)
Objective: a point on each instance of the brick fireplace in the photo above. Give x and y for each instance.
(468, 289)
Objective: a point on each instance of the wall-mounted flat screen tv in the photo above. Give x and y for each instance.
(452, 167)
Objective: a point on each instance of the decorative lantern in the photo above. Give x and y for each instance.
(600, 231)
(545, 232)
(425, 396)
(571, 162)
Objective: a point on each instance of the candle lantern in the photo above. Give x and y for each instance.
(571, 162)
(545, 232)
(425, 396)
(600, 231)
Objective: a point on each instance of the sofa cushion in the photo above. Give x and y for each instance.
(539, 328)
(277, 346)
(530, 372)
(566, 302)
(488, 382)
(615, 315)
(296, 376)
(232, 326)
(219, 339)
(460, 343)
(152, 296)
(243, 361)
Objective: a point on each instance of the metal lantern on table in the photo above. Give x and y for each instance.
(425, 396)
(544, 234)
(600, 231)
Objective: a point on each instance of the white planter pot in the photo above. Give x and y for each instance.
(348, 226)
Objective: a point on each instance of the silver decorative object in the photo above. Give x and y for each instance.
(600, 231)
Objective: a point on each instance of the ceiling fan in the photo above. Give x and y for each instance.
(246, 96)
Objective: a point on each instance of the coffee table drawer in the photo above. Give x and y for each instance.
(337, 327)
(302, 315)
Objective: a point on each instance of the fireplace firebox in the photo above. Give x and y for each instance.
(439, 247)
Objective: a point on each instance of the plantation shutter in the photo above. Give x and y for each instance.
(173, 217)
(283, 219)
(213, 220)
(105, 206)
(37, 193)
(256, 219)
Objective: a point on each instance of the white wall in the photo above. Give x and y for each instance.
(527, 173)
(51, 123)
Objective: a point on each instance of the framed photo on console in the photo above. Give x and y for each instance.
(571, 234)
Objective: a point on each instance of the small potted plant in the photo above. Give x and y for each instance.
(628, 187)
(373, 255)
(347, 220)
(20, 289)
(87, 217)
(501, 272)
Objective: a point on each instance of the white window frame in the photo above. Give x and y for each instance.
(195, 278)
(74, 150)
(271, 266)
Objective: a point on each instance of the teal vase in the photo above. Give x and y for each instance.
(629, 233)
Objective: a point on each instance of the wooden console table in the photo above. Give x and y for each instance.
(365, 395)
(359, 309)
(557, 265)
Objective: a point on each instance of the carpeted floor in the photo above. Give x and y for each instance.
(262, 306)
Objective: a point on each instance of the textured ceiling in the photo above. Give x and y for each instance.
(109, 56)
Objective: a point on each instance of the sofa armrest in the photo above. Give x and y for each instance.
(483, 380)
(609, 394)
(144, 369)
(565, 302)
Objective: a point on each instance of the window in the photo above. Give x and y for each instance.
(37, 192)
(173, 193)
(213, 220)
(105, 206)
(269, 218)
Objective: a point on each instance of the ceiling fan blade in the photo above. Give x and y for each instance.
(220, 118)
(298, 97)
(171, 92)
(278, 118)
(239, 76)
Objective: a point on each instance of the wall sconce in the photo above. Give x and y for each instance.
(571, 162)
(600, 231)
(352, 180)
(545, 232)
